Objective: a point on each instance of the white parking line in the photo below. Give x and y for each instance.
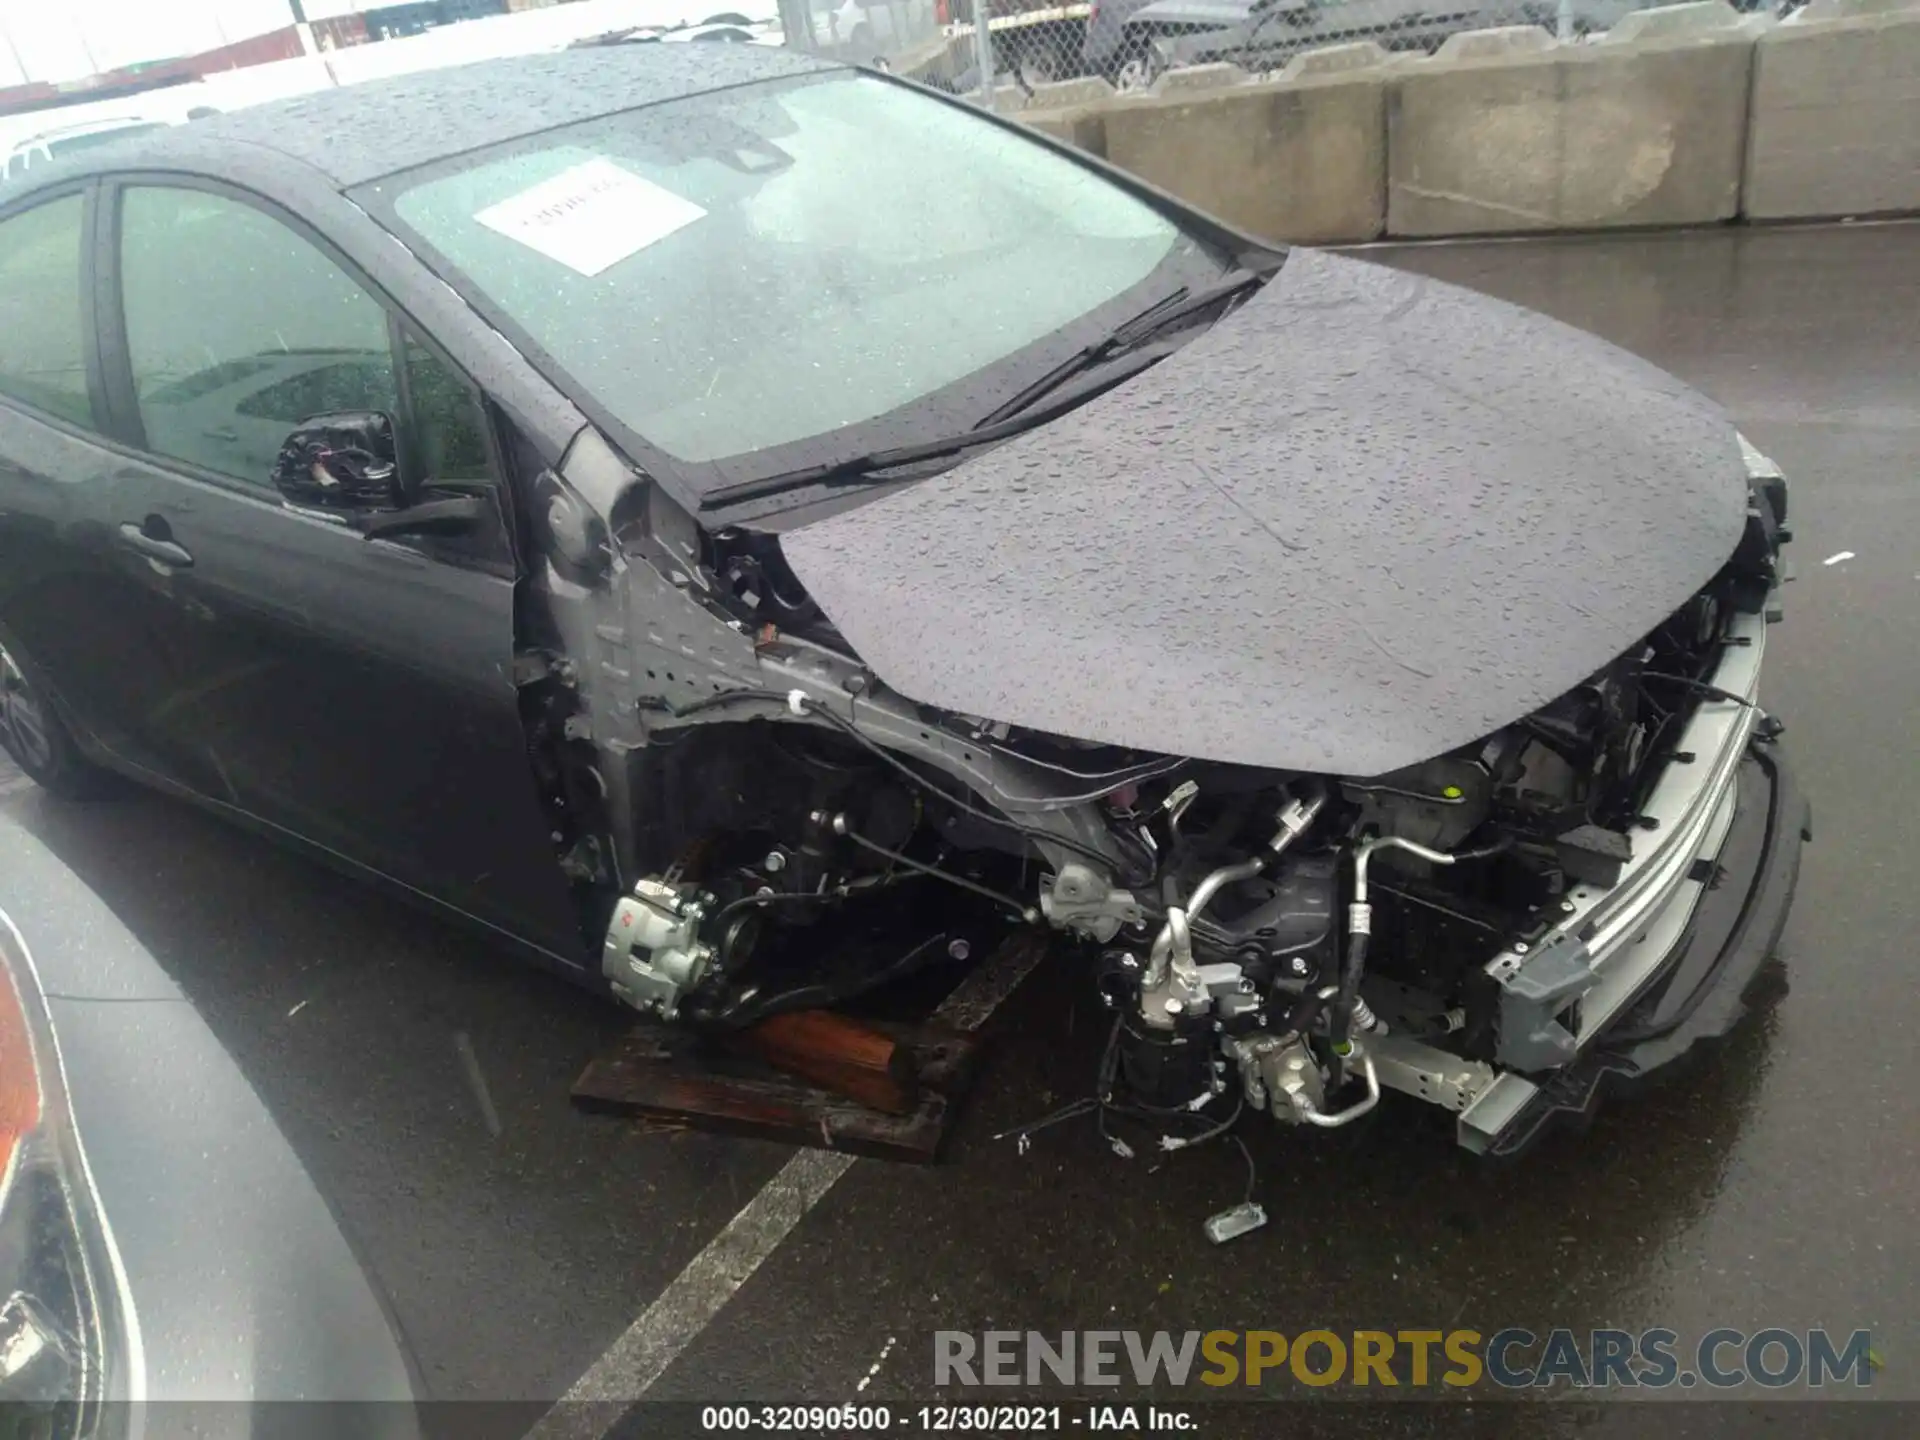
(698, 1293)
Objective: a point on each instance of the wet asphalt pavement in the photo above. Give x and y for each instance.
(1772, 1185)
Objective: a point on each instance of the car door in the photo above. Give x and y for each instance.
(355, 693)
(63, 617)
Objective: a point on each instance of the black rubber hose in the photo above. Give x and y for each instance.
(1305, 1011)
(1354, 966)
(1351, 969)
(1701, 687)
(714, 701)
(934, 872)
(757, 901)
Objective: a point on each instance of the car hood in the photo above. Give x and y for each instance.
(1366, 519)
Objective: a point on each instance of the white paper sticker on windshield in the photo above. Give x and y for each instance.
(591, 216)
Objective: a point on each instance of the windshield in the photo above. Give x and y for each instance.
(753, 267)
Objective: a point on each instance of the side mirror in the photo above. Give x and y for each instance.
(341, 461)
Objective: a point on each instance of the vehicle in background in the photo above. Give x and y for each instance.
(547, 29)
(1107, 49)
(35, 138)
(861, 30)
(728, 27)
(49, 145)
(1034, 42)
(1132, 43)
(153, 1247)
(725, 27)
(867, 30)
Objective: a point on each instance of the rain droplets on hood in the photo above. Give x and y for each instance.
(1367, 518)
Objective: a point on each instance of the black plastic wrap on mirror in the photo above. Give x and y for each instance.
(343, 461)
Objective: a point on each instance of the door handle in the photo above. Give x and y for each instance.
(165, 551)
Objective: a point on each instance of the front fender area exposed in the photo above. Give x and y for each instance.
(630, 647)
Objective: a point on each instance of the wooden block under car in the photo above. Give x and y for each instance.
(842, 1055)
(663, 1075)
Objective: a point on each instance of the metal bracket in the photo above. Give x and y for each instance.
(1080, 899)
(1481, 1122)
(1535, 988)
(1427, 1073)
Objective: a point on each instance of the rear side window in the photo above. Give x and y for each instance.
(238, 329)
(43, 344)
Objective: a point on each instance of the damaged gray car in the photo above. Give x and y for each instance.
(725, 494)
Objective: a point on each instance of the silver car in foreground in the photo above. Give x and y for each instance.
(159, 1240)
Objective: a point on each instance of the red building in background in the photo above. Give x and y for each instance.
(374, 23)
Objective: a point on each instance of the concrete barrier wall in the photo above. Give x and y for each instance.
(1301, 157)
(1533, 136)
(1687, 115)
(1836, 113)
(937, 61)
(1070, 110)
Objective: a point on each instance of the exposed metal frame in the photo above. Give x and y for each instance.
(1604, 951)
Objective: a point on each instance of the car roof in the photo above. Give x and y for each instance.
(357, 133)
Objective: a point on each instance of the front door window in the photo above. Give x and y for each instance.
(238, 329)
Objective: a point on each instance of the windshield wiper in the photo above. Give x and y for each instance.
(834, 472)
(1154, 320)
(865, 469)
(1113, 360)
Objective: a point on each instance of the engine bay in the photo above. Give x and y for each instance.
(1250, 931)
(735, 792)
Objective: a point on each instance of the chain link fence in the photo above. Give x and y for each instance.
(866, 31)
(1133, 43)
